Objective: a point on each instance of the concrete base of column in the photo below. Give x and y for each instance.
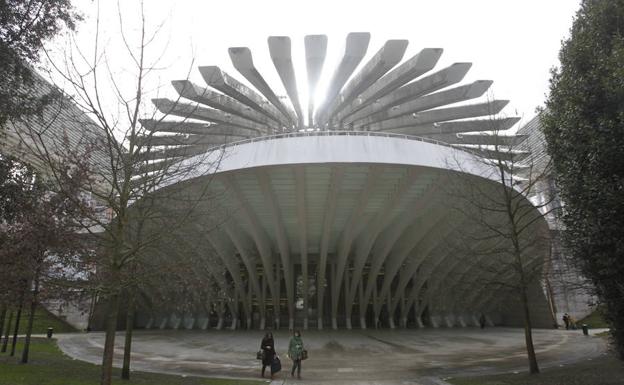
(305, 323)
(249, 323)
(189, 322)
(348, 323)
(276, 322)
(219, 324)
(362, 323)
(391, 321)
(420, 323)
(319, 323)
(291, 324)
(262, 323)
(334, 323)
(174, 321)
(404, 322)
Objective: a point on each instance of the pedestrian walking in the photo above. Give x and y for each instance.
(268, 353)
(566, 320)
(295, 352)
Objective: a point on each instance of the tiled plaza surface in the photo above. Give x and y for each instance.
(406, 357)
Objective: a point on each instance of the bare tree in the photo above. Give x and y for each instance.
(132, 168)
(506, 235)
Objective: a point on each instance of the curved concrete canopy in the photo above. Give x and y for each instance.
(361, 219)
(342, 214)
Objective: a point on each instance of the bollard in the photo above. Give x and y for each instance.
(585, 330)
(49, 333)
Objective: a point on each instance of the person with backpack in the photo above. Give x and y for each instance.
(295, 352)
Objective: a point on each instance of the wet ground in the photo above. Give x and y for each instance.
(345, 357)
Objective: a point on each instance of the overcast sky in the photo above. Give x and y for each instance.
(514, 43)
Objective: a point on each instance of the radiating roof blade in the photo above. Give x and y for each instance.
(189, 111)
(440, 79)
(186, 140)
(219, 80)
(175, 152)
(196, 128)
(453, 95)
(243, 62)
(477, 125)
(440, 115)
(202, 95)
(383, 61)
(355, 49)
(315, 52)
(280, 50)
(503, 155)
(417, 65)
(478, 139)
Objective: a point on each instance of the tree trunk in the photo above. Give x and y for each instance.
(18, 316)
(528, 333)
(5, 342)
(109, 342)
(31, 318)
(3, 318)
(125, 371)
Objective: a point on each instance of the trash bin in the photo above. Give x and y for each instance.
(49, 333)
(585, 330)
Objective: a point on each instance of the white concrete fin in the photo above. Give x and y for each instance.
(202, 95)
(220, 80)
(439, 115)
(383, 61)
(315, 52)
(479, 139)
(243, 62)
(419, 64)
(438, 80)
(355, 49)
(453, 95)
(280, 50)
(459, 126)
(189, 111)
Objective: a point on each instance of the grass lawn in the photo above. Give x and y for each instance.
(48, 365)
(606, 370)
(594, 320)
(42, 321)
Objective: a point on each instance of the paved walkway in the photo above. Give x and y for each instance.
(388, 357)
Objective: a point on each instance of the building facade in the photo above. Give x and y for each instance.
(338, 216)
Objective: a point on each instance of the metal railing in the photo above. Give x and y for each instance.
(299, 134)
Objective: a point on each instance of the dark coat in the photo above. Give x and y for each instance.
(268, 347)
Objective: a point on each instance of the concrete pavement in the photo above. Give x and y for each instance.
(356, 357)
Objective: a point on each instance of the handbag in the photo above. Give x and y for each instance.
(276, 365)
(260, 355)
(304, 354)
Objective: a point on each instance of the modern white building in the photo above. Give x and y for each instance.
(338, 213)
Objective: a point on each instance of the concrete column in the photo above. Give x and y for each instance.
(333, 282)
(348, 306)
(363, 306)
(263, 296)
(277, 294)
(390, 313)
(220, 313)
